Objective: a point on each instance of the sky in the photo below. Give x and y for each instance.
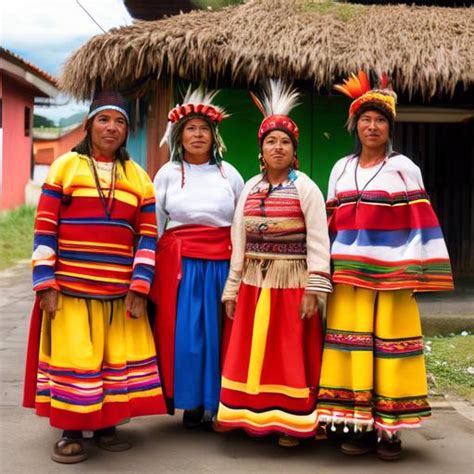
(47, 32)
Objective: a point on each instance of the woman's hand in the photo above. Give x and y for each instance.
(311, 303)
(135, 304)
(49, 301)
(230, 308)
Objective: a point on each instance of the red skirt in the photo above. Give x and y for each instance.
(272, 365)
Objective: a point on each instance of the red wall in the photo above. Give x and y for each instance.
(17, 149)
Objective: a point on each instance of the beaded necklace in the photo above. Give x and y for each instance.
(360, 193)
(107, 202)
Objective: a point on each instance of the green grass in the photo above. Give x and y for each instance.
(448, 362)
(16, 235)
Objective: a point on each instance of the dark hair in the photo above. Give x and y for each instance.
(84, 147)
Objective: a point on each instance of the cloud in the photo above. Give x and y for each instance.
(47, 32)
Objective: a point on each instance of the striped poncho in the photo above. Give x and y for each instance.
(81, 251)
(384, 233)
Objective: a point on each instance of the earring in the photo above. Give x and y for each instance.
(263, 163)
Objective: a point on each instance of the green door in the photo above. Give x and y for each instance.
(320, 119)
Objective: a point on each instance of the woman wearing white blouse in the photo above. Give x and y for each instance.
(196, 195)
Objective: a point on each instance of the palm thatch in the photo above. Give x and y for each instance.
(428, 50)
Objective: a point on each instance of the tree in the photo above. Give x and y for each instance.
(40, 121)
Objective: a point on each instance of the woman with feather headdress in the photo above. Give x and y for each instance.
(386, 244)
(279, 275)
(196, 194)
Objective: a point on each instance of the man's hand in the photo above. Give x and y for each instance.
(230, 308)
(135, 304)
(49, 301)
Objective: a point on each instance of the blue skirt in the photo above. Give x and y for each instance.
(197, 367)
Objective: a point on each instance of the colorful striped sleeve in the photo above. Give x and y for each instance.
(144, 260)
(45, 233)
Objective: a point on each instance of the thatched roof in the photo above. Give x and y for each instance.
(425, 49)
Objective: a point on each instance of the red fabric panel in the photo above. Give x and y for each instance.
(293, 347)
(110, 415)
(32, 356)
(378, 217)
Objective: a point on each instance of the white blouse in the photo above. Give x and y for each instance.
(398, 173)
(206, 198)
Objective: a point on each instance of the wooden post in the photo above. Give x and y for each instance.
(157, 120)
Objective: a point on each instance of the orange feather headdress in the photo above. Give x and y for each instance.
(359, 89)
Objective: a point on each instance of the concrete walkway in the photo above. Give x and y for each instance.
(448, 312)
(444, 445)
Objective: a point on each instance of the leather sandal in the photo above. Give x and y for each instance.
(287, 441)
(64, 454)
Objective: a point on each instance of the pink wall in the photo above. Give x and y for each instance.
(16, 147)
(58, 146)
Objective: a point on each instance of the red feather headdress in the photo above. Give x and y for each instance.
(197, 103)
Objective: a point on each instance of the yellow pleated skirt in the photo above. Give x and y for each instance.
(97, 366)
(373, 369)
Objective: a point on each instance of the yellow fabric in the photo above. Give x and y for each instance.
(348, 373)
(268, 419)
(359, 384)
(351, 309)
(390, 372)
(86, 336)
(266, 388)
(72, 171)
(82, 340)
(259, 341)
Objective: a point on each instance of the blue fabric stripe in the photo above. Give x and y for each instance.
(98, 221)
(51, 193)
(148, 208)
(143, 272)
(146, 242)
(197, 340)
(95, 257)
(387, 238)
(47, 240)
(42, 273)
